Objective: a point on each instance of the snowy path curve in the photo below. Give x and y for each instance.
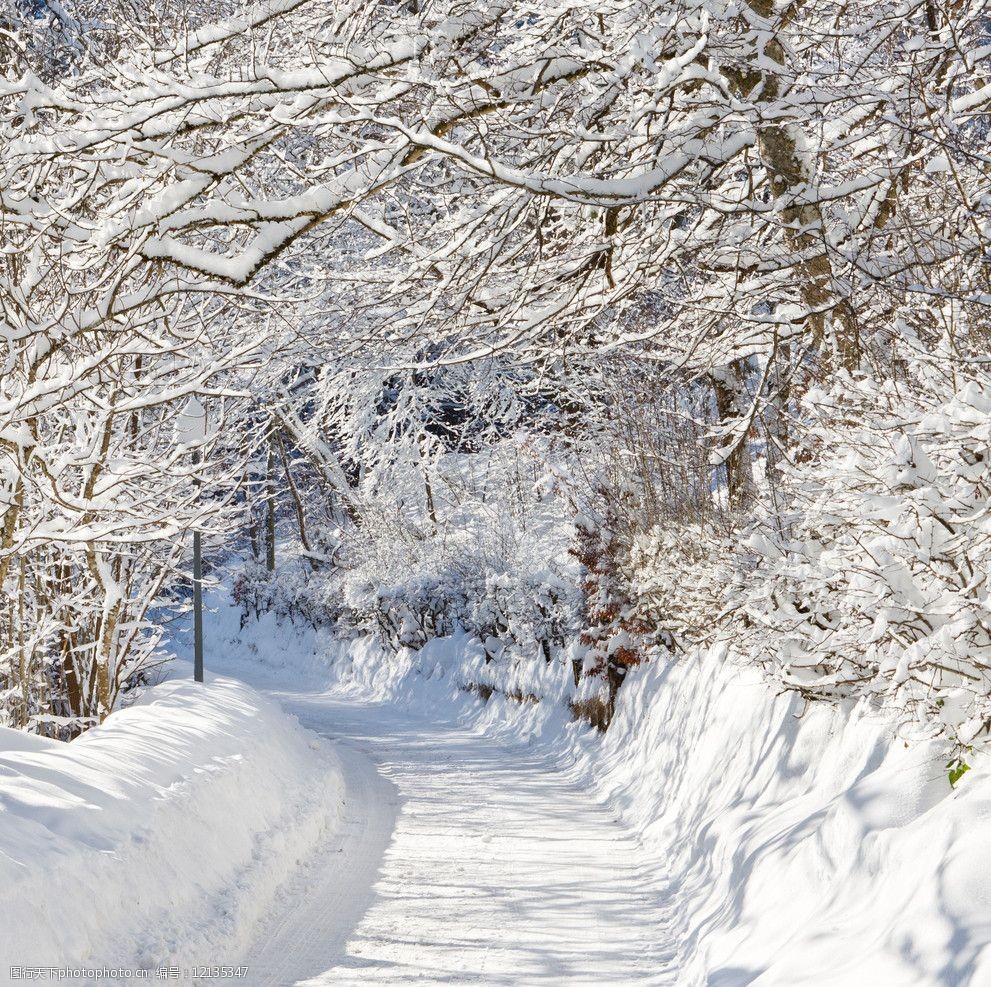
(462, 861)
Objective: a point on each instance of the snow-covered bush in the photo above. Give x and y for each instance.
(874, 582)
(292, 594)
(485, 552)
(678, 576)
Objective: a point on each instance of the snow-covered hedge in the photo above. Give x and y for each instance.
(875, 581)
(678, 577)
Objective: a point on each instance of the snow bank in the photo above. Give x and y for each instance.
(799, 846)
(160, 836)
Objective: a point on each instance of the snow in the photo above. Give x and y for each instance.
(191, 427)
(463, 861)
(509, 264)
(579, 188)
(779, 845)
(167, 831)
(717, 834)
(804, 845)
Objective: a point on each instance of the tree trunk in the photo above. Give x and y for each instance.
(294, 491)
(830, 321)
(270, 508)
(727, 386)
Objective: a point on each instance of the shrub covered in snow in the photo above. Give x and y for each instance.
(679, 576)
(874, 582)
(487, 556)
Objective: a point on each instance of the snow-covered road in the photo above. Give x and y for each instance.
(462, 861)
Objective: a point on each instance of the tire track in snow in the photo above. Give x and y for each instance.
(462, 861)
(316, 913)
